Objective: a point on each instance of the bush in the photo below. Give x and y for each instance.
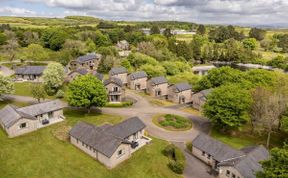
(119, 105)
(60, 94)
(175, 121)
(169, 151)
(189, 146)
(176, 167)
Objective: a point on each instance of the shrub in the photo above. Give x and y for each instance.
(189, 146)
(60, 94)
(119, 105)
(169, 151)
(176, 167)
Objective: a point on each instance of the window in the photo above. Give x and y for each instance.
(115, 89)
(50, 114)
(203, 153)
(209, 156)
(120, 153)
(23, 125)
(227, 173)
(233, 176)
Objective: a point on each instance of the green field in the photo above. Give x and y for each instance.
(42, 154)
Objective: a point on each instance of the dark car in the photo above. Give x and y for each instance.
(45, 121)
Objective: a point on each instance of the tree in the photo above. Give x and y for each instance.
(53, 77)
(276, 166)
(258, 34)
(125, 63)
(38, 91)
(279, 62)
(54, 38)
(76, 47)
(3, 39)
(106, 64)
(154, 30)
(227, 107)
(86, 91)
(101, 39)
(250, 43)
(201, 30)
(10, 48)
(171, 68)
(167, 33)
(91, 47)
(283, 43)
(266, 109)
(6, 85)
(153, 70)
(184, 50)
(34, 52)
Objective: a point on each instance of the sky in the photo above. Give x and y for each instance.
(248, 12)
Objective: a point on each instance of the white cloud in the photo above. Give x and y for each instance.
(201, 11)
(16, 11)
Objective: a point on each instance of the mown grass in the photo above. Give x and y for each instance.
(156, 101)
(41, 154)
(15, 103)
(24, 89)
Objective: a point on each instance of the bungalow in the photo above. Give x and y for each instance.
(158, 87)
(29, 73)
(138, 80)
(180, 93)
(119, 72)
(78, 72)
(199, 99)
(115, 89)
(17, 121)
(110, 144)
(89, 62)
(202, 70)
(226, 161)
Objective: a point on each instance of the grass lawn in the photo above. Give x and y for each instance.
(24, 89)
(245, 138)
(19, 104)
(41, 154)
(192, 111)
(172, 122)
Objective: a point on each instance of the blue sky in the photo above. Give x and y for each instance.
(264, 12)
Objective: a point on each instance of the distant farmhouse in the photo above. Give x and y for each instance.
(229, 162)
(180, 93)
(199, 99)
(110, 144)
(202, 70)
(119, 72)
(89, 62)
(29, 73)
(17, 121)
(138, 80)
(158, 87)
(115, 89)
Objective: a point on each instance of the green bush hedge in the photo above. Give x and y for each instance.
(119, 105)
(177, 162)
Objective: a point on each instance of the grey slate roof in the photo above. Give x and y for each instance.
(248, 166)
(206, 92)
(99, 76)
(218, 150)
(127, 128)
(114, 80)
(158, 80)
(93, 136)
(106, 139)
(88, 57)
(42, 108)
(138, 75)
(30, 70)
(179, 87)
(118, 70)
(82, 71)
(9, 116)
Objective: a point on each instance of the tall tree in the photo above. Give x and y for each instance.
(6, 85)
(53, 77)
(167, 32)
(277, 165)
(34, 52)
(258, 34)
(201, 30)
(154, 30)
(86, 91)
(38, 91)
(227, 107)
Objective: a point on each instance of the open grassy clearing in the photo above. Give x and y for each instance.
(192, 111)
(41, 154)
(15, 103)
(184, 37)
(172, 122)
